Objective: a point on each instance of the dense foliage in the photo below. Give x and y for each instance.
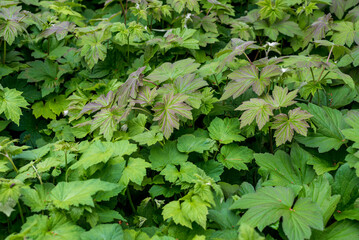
(179, 119)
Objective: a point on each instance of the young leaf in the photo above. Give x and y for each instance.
(285, 126)
(166, 113)
(174, 210)
(60, 29)
(225, 131)
(255, 108)
(135, 171)
(149, 137)
(346, 33)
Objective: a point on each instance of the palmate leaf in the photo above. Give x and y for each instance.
(37, 198)
(60, 29)
(257, 109)
(11, 103)
(269, 204)
(235, 156)
(66, 194)
(169, 154)
(13, 24)
(92, 48)
(286, 125)
(346, 33)
(54, 227)
(343, 230)
(166, 113)
(281, 97)
(150, 137)
(330, 123)
(134, 171)
(190, 143)
(146, 96)
(225, 130)
(105, 232)
(130, 87)
(171, 71)
(318, 29)
(248, 76)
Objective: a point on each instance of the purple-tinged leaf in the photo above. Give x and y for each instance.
(166, 113)
(281, 97)
(101, 102)
(257, 109)
(60, 29)
(318, 29)
(146, 96)
(285, 126)
(240, 47)
(130, 87)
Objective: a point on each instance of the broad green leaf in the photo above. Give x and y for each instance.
(343, 230)
(345, 33)
(137, 125)
(10, 189)
(286, 125)
(170, 71)
(257, 109)
(44, 110)
(134, 171)
(8, 207)
(166, 112)
(11, 103)
(169, 154)
(174, 210)
(225, 130)
(105, 232)
(196, 210)
(190, 143)
(66, 194)
(346, 183)
(320, 192)
(149, 137)
(330, 123)
(222, 215)
(235, 156)
(54, 227)
(269, 204)
(246, 232)
(285, 170)
(38, 198)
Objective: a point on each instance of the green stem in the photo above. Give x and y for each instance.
(37, 173)
(66, 166)
(270, 140)
(21, 213)
(323, 68)
(10, 160)
(128, 49)
(3, 60)
(248, 58)
(130, 199)
(311, 70)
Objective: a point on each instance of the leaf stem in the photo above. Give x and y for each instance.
(247, 58)
(323, 68)
(3, 60)
(130, 199)
(21, 212)
(11, 161)
(37, 173)
(66, 166)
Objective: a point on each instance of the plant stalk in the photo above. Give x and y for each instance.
(11, 161)
(21, 212)
(3, 60)
(130, 199)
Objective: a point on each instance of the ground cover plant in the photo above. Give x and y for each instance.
(179, 119)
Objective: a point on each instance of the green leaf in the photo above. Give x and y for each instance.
(171, 71)
(196, 210)
(246, 232)
(255, 108)
(149, 137)
(161, 157)
(343, 230)
(330, 123)
(269, 204)
(37, 198)
(54, 227)
(174, 210)
(41, 109)
(285, 126)
(345, 33)
(222, 215)
(166, 112)
(76, 193)
(190, 143)
(10, 103)
(225, 131)
(105, 232)
(134, 171)
(320, 192)
(235, 156)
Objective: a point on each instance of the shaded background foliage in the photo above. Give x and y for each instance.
(179, 119)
